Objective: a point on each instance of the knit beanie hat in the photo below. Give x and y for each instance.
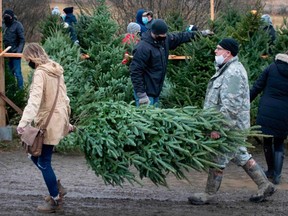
(133, 28)
(230, 44)
(159, 27)
(68, 10)
(9, 12)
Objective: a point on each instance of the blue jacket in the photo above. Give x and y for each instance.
(139, 20)
(273, 106)
(150, 58)
(71, 20)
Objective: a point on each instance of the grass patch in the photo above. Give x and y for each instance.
(7, 146)
(277, 20)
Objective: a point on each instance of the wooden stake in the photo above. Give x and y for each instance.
(3, 52)
(212, 9)
(2, 76)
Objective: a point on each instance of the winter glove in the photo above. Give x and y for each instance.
(76, 43)
(191, 28)
(65, 25)
(126, 58)
(143, 99)
(207, 32)
(215, 135)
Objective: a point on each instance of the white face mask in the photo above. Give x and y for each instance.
(219, 60)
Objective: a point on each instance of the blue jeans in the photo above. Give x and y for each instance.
(153, 100)
(43, 162)
(15, 67)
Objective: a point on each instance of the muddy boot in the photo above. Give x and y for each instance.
(213, 184)
(265, 188)
(269, 157)
(62, 191)
(278, 162)
(52, 206)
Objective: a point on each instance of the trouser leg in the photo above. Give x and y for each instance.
(278, 159)
(269, 156)
(43, 162)
(15, 67)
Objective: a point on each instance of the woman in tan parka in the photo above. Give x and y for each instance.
(41, 98)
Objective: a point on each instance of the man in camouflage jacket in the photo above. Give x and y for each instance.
(228, 92)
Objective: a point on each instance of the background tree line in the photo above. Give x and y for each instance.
(31, 12)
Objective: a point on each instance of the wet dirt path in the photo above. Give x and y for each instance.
(22, 189)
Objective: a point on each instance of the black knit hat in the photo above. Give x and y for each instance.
(68, 10)
(159, 27)
(9, 12)
(230, 44)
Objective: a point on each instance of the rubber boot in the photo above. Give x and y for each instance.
(265, 188)
(62, 191)
(52, 206)
(278, 162)
(213, 184)
(269, 156)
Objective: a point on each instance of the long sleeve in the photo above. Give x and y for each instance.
(259, 85)
(138, 67)
(175, 39)
(232, 95)
(34, 101)
(20, 37)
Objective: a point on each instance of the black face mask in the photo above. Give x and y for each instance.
(7, 20)
(159, 38)
(32, 64)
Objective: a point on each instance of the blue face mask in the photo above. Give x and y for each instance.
(145, 20)
(63, 16)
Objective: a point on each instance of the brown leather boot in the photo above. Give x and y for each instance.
(213, 184)
(52, 206)
(265, 188)
(62, 191)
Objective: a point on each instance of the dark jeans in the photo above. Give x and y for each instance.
(43, 162)
(15, 67)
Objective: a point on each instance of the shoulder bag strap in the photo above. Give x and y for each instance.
(53, 107)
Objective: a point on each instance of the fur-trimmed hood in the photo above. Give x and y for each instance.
(281, 61)
(282, 57)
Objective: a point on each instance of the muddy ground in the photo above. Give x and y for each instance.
(22, 189)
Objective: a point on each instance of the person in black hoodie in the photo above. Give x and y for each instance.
(150, 58)
(13, 35)
(273, 113)
(71, 20)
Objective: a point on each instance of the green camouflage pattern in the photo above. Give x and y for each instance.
(228, 92)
